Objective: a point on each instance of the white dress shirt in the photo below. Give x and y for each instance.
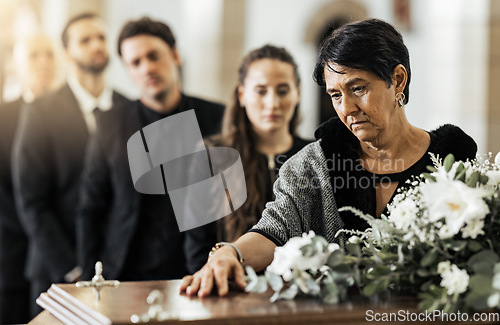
(88, 102)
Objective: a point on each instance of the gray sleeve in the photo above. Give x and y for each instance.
(304, 200)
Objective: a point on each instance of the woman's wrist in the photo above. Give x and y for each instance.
(230, 246)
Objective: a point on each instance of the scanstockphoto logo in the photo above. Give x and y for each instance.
(169, 156)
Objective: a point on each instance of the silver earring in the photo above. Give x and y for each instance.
(400, 100)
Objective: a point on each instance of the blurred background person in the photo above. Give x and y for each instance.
(49, 150)
(35, 62)
(136, 235)
(261, 123)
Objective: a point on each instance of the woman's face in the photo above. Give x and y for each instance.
(362, 101)
(269, 94)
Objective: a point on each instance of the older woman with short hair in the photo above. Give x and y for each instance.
(360, 159)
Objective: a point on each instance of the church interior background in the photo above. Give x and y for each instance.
(454, 48)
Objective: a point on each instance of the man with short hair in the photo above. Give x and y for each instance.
(136, 235)
(35, 62)
(49, 150)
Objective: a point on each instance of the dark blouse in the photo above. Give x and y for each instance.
(272, 170)
(355, 186)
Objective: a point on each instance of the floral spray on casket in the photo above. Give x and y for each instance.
(440, 241)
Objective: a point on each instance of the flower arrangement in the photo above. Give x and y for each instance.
(440, 241)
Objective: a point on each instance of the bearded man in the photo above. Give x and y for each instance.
(48, 154)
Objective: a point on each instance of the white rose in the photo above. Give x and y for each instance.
(497, 159)
(455, 202)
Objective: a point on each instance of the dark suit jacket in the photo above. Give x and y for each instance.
(13, 240)
(48, 160)
(110, 206)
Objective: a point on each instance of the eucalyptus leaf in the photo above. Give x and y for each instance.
(483, 262)
(371, 288)
(429, 177)
(448, 162)
(330, 293)
(353, 249)
(430, 258)
(457, 245)
(459, 170)
(335, 258)
(342, 268)
(432, 169)
(320, 243)
(474, 245)
(473, 179)
(483, 179)
(308, 250)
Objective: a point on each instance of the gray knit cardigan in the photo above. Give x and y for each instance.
(304, 200)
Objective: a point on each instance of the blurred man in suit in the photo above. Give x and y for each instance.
(49, 150)
(35, 62)
(136, 235)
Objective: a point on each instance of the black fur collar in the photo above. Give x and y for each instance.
(447, 138)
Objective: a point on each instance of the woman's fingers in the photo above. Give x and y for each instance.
(186, 282)
(221, 275)
(207, 282)
(194, 286)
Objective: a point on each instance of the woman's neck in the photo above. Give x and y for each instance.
(273, 143)
(403, 150)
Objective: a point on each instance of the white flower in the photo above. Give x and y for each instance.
(473, 228)
(290, 257)
(404, 214)
(443, 266)
(354, 239)
(333, 247)
(497, 159)
(445, 232)
(493, 177)
(455, 202)
(454, 279)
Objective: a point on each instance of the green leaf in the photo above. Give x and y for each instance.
(342, 268)
(330, 293)
(430, 258)
(448, 162)
(483, 262)
(461, 175)
(353, 249)
(371, 288)
(457, 245)
(335, 258)
(423, 273)
(429, 177)
(460, 169)
(474, 245)
(473, 179)
(432, 169)
(308, 250)
(480, 291)
(483, 179)
(320, 243)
